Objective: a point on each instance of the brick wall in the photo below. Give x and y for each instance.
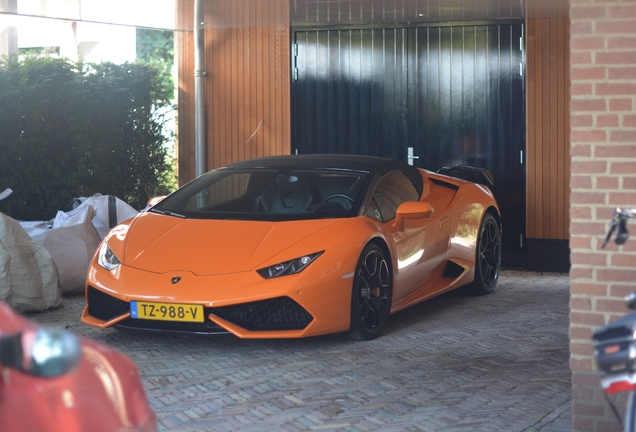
(603, 151)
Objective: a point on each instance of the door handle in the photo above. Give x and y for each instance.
(410, 157)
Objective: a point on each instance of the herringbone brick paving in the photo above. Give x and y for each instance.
(455, 363)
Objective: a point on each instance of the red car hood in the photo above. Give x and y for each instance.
(159, 244)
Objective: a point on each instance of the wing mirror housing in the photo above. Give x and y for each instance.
(40, 352)
(411, 212)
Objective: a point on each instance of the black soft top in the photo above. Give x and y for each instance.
(371, 164)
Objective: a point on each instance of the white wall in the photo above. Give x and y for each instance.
(92, 30)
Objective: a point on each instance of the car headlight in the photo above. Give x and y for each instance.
(106, 258)
(288, 267)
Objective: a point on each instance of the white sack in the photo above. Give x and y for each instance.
(109, 211)
(73, 237)
(72, 245)
(28, 277)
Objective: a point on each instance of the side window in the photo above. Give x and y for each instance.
(373, 211)
(392, 190)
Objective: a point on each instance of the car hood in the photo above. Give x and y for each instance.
(159, 243)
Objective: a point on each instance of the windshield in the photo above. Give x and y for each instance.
(268, 194)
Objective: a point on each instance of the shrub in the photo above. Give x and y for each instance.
(71, 129)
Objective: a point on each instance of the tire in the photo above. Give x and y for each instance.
(488, 259)
(371, 294)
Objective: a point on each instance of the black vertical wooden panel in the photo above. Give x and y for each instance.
(515, 211)
(453, 93)
(481, 90)
(432, 114)
(373, 101)
(344, 51)
(350, 95)
(466, 106)
(321, 83)
(352, 86)
(456, 95)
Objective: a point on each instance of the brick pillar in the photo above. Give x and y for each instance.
(603, 152)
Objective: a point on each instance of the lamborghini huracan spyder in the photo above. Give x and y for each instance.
(295, 246)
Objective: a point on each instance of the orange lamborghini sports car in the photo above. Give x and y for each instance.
(295, 246)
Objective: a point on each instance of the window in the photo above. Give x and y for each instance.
(221, 193)
(268, 194)
(392, 190)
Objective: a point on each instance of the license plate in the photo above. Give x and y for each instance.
(166, 311)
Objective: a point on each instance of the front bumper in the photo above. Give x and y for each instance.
(316, 301)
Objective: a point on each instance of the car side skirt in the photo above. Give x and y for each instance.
(439, 285)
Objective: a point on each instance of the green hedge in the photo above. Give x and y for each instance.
(71, 129)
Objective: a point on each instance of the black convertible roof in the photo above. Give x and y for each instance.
(370, 164)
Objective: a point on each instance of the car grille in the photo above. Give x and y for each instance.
(280, 313)
(105, 307)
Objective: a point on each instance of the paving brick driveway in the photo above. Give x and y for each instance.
(454, 363)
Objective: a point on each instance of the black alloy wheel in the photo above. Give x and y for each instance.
(488, 260)
(371, 294)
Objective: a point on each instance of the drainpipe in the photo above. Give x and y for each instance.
(199, 95)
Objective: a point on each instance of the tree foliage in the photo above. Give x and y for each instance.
(70, 129)
(157, 48)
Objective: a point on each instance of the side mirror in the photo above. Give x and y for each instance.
(412, 211)
(155, 200)
(40, 352)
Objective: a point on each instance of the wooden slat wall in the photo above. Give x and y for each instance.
(548, 127)
(247, 86)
